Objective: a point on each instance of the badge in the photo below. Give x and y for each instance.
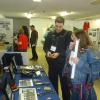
(53, 48)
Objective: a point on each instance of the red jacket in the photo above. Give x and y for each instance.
(24, 42)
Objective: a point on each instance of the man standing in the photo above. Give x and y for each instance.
(33, 41)
(55, 46)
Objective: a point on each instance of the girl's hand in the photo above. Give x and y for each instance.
(71, 45)
(75, 59)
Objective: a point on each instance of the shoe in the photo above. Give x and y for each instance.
(31, 58)
(35, 59)
(14, 87)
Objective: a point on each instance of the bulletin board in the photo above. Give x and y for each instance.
(94, 34)
(6, 30)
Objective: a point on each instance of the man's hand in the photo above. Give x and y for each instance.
(55, 55)
(49, 54)
(33, 45)
(52, 55)
(75, 59)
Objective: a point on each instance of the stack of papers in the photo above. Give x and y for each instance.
(27, 67)
(25, 83)
(27, 94)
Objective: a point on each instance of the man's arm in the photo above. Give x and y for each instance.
(34, 38)
(47, 43)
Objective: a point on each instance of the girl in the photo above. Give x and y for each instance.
(81, 85)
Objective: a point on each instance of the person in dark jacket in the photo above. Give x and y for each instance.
(55, 46)
(33, 41)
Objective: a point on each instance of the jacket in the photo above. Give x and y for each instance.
(60, 41)
(87, 69)
(24, 40)
(34, 37)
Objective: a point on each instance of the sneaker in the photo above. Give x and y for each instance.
(31, 58)
(35, 59)
(14, 87)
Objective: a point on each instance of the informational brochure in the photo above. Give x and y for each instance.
(27, 94)
(25, 83)
(74, 54)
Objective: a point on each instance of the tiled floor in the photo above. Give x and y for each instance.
(42, 61)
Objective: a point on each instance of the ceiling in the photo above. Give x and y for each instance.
(83, 9)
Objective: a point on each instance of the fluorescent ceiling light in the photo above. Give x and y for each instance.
(29, 15)
(53, 17)
(65, 13)
(37, 0)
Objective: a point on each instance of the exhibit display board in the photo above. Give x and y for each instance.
(94, 34)
(6, 30)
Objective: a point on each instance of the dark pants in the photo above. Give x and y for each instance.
(55, 70)
(34, 53)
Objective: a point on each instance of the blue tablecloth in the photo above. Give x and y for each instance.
(39, 88)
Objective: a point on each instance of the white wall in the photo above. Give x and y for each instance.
(69, 24)
(41, 25)
(95, 23)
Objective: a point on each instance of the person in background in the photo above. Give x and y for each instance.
(49, 29)
(22, 41)
(33, 42)
(55, 46)
(82, 83)
(26, 31)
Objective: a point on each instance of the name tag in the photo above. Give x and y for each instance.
(53, 48)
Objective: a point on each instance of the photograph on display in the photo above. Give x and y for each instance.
(90, 33)
(6, 30)
(94, 34)
(25, 83)
(27, 94)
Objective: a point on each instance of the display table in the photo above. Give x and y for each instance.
(42, 94)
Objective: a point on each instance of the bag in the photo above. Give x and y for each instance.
(66, 70)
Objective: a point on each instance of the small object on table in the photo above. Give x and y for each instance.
(49, 98)
(47, 88)
(42, 83)
(38, 88)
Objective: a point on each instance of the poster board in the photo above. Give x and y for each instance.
(94, 34)
(6, 30)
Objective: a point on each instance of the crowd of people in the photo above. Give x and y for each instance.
(22, 41)
(59, 47)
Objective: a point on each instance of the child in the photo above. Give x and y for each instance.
(81, 84)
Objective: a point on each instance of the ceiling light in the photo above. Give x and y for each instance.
(29, 15)
(37, 0)
(53, 17)
(65, 13)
